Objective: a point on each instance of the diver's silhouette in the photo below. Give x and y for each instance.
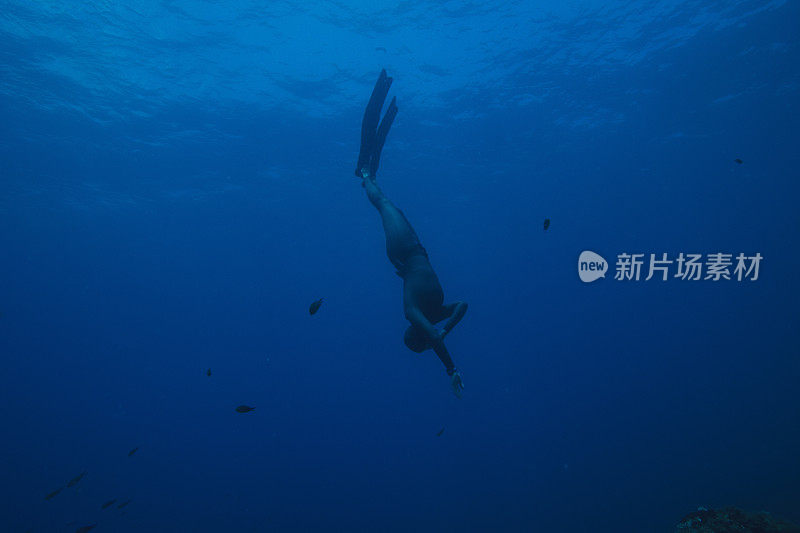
(423, 298)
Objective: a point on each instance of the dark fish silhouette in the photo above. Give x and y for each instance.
(108, 504)
(133, 451)
(53, 494)
(314, 307)
(85, 529)
(244, 409)
(123, 504)
(74, 481)
(739, 161)
(208, 372)
(546, 223)
(439, 433)
(380, 49)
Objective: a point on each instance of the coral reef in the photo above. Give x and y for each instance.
(732, 520)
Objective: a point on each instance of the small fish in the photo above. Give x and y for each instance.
(208, 372)
(314, 307)
(108, 504)
(546, 223)
(380, 49)
(738, 161)
(85, 529)
(133, 451)
(123, 504)
(74, 481)
(439, 433)
(244, 409)
(53, 494)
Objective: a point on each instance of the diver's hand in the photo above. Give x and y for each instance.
(458, 385)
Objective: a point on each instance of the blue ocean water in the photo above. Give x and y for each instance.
(177, 187)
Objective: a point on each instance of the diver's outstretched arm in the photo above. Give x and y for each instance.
(434, 337)
(456, 311)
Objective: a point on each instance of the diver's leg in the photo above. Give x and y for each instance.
(380, 137)
(369, 123)
(399, 233)
(375, 194)
(393, 218)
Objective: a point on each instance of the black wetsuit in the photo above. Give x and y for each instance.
(422, 294)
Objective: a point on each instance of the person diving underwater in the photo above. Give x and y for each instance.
(423, 298)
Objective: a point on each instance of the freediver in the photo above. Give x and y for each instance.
(423, 298)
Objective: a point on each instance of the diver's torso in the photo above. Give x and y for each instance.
(421, 287)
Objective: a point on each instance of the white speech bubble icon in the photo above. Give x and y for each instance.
(591, 266)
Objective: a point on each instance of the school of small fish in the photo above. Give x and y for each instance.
(313, 308)
(74, 482)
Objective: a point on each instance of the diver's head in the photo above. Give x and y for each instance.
(415, 339)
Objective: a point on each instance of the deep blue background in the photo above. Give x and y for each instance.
(176, 188)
